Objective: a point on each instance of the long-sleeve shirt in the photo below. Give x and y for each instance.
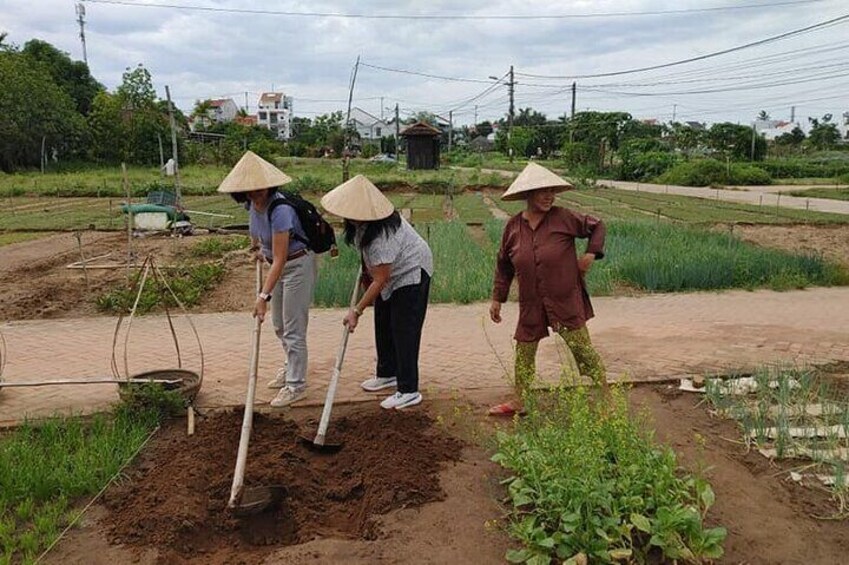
(552, 292)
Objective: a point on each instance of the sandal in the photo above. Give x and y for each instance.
(507, 410)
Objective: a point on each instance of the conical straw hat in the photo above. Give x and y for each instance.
(357, 199)
(252, 172)
(532, 178)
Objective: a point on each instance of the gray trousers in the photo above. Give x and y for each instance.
(290, 309)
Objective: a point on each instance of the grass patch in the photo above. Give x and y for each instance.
(592, 481)
(188, 283)
(822, 192)
(46, 468)
(217, 247)
(666, 258)
(309, 175)
(18, 237)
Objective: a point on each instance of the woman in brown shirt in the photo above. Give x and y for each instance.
(538, 249)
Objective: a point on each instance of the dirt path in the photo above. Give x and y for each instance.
(748, 196)
(832, 242)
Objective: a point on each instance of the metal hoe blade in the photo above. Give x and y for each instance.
(255, 500)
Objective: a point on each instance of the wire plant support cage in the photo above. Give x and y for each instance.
(187, 382)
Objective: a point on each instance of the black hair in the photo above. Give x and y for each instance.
(242, 197)
(387, 226)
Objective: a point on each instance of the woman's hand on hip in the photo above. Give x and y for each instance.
(260, 308)
(495, 311)
(351, 320)
(585, 262)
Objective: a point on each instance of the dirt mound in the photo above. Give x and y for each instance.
(176, 498)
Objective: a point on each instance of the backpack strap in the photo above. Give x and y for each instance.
(275, 202)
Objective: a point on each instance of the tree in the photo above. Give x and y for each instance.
(73, 77)
(34, 109)
(128, 125)
(823, 133)
(763, 115)
(735, 141)
(529, 117)
(484, 128)
(793, 138)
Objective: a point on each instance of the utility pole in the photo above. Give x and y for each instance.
(246, 103)
(754, 133)
(510, 116)
(476, 116)
(450, 129)
(397, 134)
(174, 145)
(792, 114)
(81, 21)
(674, 112)
(572, 115)
(574, 88)
(347, 150)
(381, 108)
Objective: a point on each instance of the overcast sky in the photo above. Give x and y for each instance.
(204, 54)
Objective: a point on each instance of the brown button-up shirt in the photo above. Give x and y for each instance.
(552, 292)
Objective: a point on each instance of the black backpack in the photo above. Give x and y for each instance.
(320, 235)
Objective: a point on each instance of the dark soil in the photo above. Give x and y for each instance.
(176, 498)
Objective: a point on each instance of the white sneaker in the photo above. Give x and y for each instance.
(379, 383)
(401, 400)
(287, 396)
(278, 381)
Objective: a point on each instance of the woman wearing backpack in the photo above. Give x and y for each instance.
(278, 237)
(398, 264)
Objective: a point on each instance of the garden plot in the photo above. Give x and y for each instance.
(400, 483)
(791, 414)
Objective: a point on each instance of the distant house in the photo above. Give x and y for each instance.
(698, 126)
(482, 144)
(274, 111)
(223, 110)
(220, 111)
(771, 129)
(370, 127)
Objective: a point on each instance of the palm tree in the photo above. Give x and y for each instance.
(763, 116)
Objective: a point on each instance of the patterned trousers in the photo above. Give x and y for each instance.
(578, 342)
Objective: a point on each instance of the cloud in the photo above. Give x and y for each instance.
(207, 54)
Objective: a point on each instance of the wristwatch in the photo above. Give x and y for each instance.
(264, 296)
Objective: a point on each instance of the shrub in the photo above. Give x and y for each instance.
(704, 172)
(645, 166)
(708, 172)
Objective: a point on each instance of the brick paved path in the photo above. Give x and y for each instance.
(641, 339)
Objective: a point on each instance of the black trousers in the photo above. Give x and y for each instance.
(398, 333)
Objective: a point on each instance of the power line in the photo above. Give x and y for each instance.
(779, 37)
(480, 17)
(426, 75)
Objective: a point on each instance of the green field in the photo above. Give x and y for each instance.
(309, 175)
(822, 192)
(610, 204)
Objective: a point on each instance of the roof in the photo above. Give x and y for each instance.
(360, 115)
(245, 120)
(220, 102)
(420, 128)
(271, 97)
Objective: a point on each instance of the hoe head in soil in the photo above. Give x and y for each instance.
(255, 500)
(319, 445)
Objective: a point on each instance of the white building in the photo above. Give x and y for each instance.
(370, 127)
(274, 111)
(222, 110)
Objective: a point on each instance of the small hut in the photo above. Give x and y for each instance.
(422, 146)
